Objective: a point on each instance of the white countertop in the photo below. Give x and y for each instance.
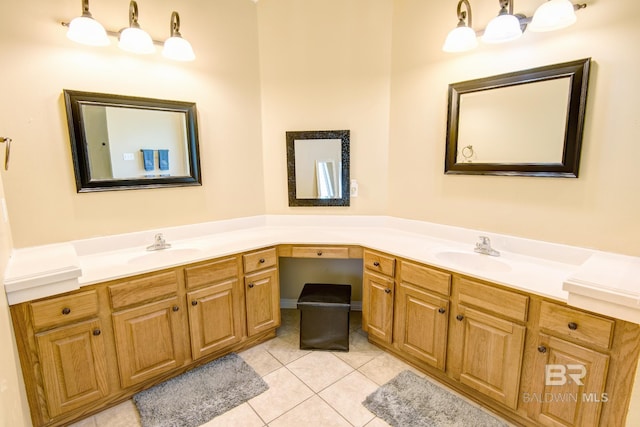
(536, 267)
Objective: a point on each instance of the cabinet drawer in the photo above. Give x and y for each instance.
(426, 277)
(319, 252)
(259, 260)
(380, 263)
(61, 310)
(143, 289)
(211, 272)
(499, 301)
(576, 324)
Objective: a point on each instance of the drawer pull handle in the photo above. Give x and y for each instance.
(175, 308)
(194, 302)
(542, 349)
(261, 260)
(376, 264)
(441, 310)
(96, 332)
(251, 285)
(387, 291)
(66, 311)
(319, 253)
(573, 326)
(459, 317)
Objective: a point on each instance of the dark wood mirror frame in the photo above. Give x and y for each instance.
(344, 137)
(577, 71)
(74, 100)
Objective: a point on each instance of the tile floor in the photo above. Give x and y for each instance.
(315, 388)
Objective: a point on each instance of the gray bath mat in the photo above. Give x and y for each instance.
(197, 396)
(408, 400)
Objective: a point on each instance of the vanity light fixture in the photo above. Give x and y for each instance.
(462, 37)
(133, 38)
(86, 30)
(175, 47)
(507, 26)
(554, 15)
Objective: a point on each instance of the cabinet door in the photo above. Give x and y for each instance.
(263, 301)
(421, 324)
(572, 393)
(490, 353)
(74, 366)
(377, 306)
(215, 317)
(149, 340)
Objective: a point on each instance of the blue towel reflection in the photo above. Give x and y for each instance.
(147, 158)
(163, 159)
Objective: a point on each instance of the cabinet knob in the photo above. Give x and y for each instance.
(542, 349)
(175, 308)
(194, 302)
(66, 311)
(573, 326)
(261, 260)
(251, 285)
(459, 317)
(376, 264)
(319, 253)
(441, 310)
(96, 332)
(387, 291)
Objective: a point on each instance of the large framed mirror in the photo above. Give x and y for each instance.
(123, 142)
(523, 123)
(318, 168)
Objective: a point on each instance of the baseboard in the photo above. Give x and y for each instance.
(293, 303)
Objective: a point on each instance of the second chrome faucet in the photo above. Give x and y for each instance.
(159, 243)
(484, 247)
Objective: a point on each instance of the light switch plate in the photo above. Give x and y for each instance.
(127, 156)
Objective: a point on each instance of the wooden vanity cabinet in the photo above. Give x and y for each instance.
(486, 341)
(72, 354)
(422, 313)
(378, 294)
(573, 392)
(215, 303)
(262, 290)
(149, 327)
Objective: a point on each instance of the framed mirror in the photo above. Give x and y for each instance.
(318, 168)
(526, 123)
(123, 142)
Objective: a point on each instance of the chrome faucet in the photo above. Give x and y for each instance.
(484, 247)
(158, 243)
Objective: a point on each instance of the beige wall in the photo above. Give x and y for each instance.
(39, 62)
(599, 209)
(14, 410)
(325, 65)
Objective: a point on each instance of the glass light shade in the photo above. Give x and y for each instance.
(87, 30)
(502, 28)
(553, 15)
(136, 40)
(460, 39)
(178, 49)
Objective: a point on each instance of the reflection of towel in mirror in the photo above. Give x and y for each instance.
(147, 158)
(163, 159)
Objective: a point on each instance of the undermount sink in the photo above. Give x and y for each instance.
(164, 255)
(474, 261)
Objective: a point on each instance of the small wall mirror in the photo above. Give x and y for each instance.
(524, 123)
(318, 168)
(121, 142)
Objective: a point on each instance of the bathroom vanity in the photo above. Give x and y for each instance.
(111, 319)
